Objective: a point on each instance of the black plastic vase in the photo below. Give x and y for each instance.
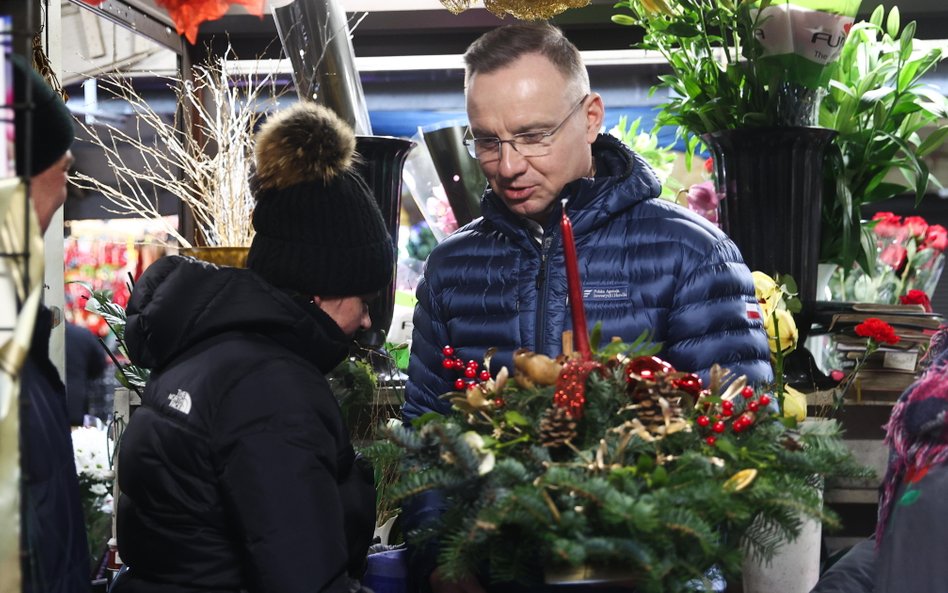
(383, 158)
(771, 181)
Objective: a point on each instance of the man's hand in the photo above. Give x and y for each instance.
(441, 585)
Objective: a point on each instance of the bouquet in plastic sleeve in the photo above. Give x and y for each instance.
(421, 179)
(909, 260)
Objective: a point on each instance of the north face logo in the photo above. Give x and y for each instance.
(180, 401)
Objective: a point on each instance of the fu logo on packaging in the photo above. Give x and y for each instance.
(180, 401)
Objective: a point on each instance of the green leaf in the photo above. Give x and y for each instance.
(515, 418)
(877, 94)
(659, 477)
(595, 337)
(425, 418)
(883, 191)
(933, 141)
(906, 41)
(683, 30)
(644, 463)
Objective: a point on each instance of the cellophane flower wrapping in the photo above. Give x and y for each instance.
(909, 256)
(799, 41)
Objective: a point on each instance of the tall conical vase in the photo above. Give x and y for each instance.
(382, 160)
(771, 181)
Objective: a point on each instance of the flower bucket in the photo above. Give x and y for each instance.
(771, 180)
(381, 166)
(795, 568)
(234, 257)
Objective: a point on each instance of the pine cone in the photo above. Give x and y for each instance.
(658, 407)
(557, 427)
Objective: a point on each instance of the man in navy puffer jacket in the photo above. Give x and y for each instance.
(644, 263)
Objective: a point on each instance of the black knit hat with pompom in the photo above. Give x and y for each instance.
(318, 227)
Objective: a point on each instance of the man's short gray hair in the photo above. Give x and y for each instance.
(504, 45)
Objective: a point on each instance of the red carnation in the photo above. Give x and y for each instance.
(917, 297)
(936, 237)
(877, 330)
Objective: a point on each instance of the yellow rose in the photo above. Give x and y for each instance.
(787, 328)
(794, 404)
(767, 291)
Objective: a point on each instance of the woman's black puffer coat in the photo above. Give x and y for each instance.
(237, 472)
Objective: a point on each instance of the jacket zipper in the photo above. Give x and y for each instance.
(542, 292)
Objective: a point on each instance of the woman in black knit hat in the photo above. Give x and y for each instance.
(237, 472)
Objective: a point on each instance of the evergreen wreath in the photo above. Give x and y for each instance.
(621, 463)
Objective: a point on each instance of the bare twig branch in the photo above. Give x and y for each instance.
(208, 171)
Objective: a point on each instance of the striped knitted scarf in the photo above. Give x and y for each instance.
(917, 432)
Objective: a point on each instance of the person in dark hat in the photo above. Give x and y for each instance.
(55, 555)
(46, 157)
(237, 472)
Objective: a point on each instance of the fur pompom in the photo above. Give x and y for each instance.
(306, 142)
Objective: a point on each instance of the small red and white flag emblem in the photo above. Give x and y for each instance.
(753, 311)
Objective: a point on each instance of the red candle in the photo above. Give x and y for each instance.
(580, 334)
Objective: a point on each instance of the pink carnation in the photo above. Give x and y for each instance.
(936, 237)
(888, 225)
(895, 256)
(916, 225)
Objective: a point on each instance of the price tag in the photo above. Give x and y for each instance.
(903, 361)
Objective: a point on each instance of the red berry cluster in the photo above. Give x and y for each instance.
(718, 416)
(472, 373)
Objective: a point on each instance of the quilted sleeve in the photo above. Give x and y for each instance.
(426, 377)
(714, 317)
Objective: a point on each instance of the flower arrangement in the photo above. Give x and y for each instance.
(737, 64)
(94, 468)
(208, 169)
(908, 261)
(619, 462)
(879, 105)
(742, 64)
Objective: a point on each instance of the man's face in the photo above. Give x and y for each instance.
(531, 95)
(48, 189)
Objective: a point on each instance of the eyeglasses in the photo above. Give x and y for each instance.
(528, 144)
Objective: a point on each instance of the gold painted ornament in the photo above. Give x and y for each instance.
(525, 10)
(740, 480)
